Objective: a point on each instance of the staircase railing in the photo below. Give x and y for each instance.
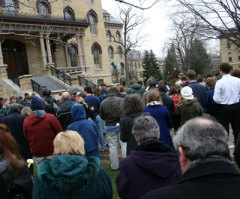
(13, 77)
(84, 82)
(61, 75)
(37, 88)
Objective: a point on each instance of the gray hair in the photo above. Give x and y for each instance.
(145, 128)
(201, 138)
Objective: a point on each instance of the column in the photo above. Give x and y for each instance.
(1, 56)
(49, 50)
(66, 55)
(83, 51)
(43, 51)
(80, 61)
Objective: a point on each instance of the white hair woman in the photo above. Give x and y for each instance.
(69, 174)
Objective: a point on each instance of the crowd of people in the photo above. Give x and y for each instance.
(173, 140)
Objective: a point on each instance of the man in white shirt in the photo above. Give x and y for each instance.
(227, 94)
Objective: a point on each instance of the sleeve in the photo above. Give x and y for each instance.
(37, 190)
(217, 93)
(101, 111)
(168, 118)
(123, 132)
(56, 125)
(122, 182)
(107, 191)
(237, 152)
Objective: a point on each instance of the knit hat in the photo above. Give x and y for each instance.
(187, 93)
(37, 104)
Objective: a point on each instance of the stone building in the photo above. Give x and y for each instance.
(135, 65)
(230, 53)
(39, 36)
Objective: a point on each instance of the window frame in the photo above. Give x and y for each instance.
(110, 52)
(68, 9)
(95, 47)
(46, 4)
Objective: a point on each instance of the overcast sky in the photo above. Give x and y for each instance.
(157, 28)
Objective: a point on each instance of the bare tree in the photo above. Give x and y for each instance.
(132, 36)
(140, 5)
(218, 17)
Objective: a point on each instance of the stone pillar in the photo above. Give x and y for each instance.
(66, 55)
(1, 56)
(80, 61)
(49, 50)
(44, 60)
(3, 71)
(25, 82)
(84, 54)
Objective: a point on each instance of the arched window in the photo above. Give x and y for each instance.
(93, 20)
(110, 51)
(97, 51)
(10, 6)
(69, 14)
(122, 68)
(118, 37)
(120, 52)
(73, 54)
(109, 35)
(43, 7)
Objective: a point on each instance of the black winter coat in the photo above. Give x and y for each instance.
(14, 121)
(211, 180)
(126, 124)
(15, 182)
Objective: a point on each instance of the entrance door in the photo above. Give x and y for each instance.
(15, 56)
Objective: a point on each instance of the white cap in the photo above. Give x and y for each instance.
(187, 93)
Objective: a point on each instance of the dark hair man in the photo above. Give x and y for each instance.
(227, 94)
(205, 161)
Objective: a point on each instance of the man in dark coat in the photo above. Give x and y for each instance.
(14, 121)
(64, 110)
(199, 91)
(152, 165)
(205, 161)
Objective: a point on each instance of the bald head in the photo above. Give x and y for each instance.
(66, 96)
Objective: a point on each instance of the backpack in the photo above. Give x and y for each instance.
(176, 99)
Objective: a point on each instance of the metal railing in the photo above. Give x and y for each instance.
(37, 88)
(84, 82)
(13, 77)
(69, 69)
(61, 76)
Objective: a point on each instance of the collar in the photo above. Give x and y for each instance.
(154, 103)
(226, 75)
(209, 168)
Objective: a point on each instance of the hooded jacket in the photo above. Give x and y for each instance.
(135, 89)
(72, 176)
(188, 109)
(40, 129)
(152, 165)
(86, 128)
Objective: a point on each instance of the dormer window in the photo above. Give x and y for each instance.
(106, 18)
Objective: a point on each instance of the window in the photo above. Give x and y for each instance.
(106, 18)
(97, 51)
(69, 14)
(100, 82)
(229, 56)
(228, 43)
(93, 20)
(122, 69)
(238, 55)
(10, 6)
(72, 51)
(118, 36)
(43, 11)
(120, 52)
(109, 35)
(90, 1)
(110, 51)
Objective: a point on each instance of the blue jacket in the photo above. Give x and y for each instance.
(72, 176)
(94, 101)
(86, 128)
(200, 92)
(161, 115)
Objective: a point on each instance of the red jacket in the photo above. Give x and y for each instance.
(40, 131)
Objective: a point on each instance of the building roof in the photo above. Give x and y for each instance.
(112, 20)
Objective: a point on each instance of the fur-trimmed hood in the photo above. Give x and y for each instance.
(69, 173)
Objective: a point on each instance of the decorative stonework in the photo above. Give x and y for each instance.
(25, 82)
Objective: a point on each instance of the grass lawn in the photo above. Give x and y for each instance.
(112, 175)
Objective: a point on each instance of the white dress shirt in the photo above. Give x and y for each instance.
(227, 90)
